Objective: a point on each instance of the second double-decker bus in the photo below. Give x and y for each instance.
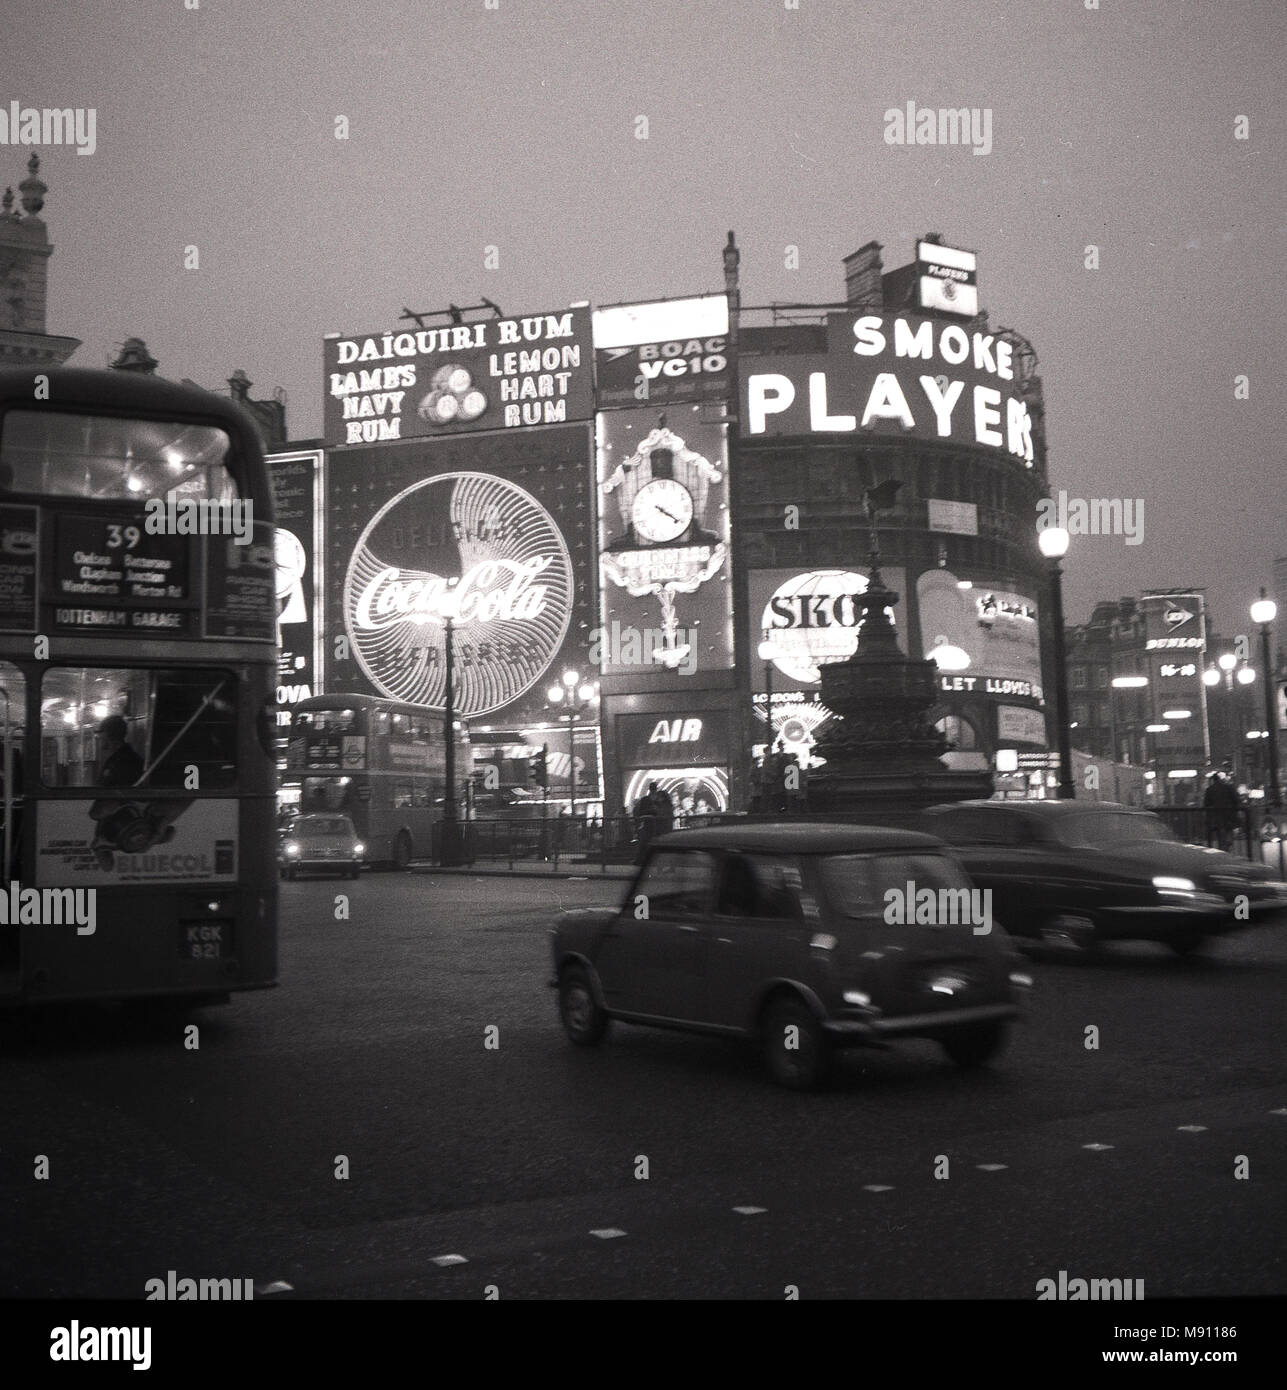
(137, 665)
(381, 762)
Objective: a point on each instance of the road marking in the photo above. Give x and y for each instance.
(1283, 1111)
(990, 1167)
(749, 1211)
(1097, 1148)
(608, 1233)
(277, 1286)
(444, 1260)
(876, 1187)
(1191, 1129)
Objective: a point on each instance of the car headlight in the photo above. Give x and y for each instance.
(292, 847)
(359, 851)
(1165, 884)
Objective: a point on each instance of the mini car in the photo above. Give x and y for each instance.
(795, 936)
(1083, 873)
(321, 841)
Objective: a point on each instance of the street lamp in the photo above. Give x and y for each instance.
(767, 651)
(576, 696)
(1053, 542)
(1263, 612)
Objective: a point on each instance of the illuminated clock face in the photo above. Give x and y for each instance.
(662, 511)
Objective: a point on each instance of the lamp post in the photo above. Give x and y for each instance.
(1264, 611)
(766, 656)
(452, 853)
(576, 696)
(1053, 542)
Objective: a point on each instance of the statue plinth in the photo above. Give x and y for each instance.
(883, 756)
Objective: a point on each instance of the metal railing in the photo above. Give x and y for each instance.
(1252, 832)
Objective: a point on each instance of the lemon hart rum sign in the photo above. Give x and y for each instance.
(491, 375)
(498, 544)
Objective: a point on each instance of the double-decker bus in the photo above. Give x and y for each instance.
(138, 649)
(383, 763)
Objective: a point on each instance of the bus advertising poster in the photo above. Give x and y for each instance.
(241, 586)
(895, 376)
(19, 565)
(122, 839)
(984, 640)
(296, 482)
(808, 618)
(491, 531)
(662, 352)
(436, 382)
(666, 600)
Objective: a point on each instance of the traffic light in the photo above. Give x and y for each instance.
(537, 769)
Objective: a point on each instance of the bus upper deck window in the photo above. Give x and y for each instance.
(107, 458)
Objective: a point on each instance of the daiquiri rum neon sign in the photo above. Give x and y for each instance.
(474, 548)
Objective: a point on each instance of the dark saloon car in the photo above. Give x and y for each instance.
(322, 841)
(794, 936)
(1086, 872)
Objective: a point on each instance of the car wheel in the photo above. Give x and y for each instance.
(402, 851)
(354, 872)
(1072, 929)
(975, 1045)
(584, 1020)
(795, 1047)
(1185, 943)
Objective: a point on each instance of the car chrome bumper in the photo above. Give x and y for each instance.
(854, 1032)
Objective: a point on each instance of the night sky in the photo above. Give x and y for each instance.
(516, 127)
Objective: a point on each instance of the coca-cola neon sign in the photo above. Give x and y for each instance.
(469, 547)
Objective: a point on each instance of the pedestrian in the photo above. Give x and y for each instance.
(121, 766)
(645, 822)
(663, 810)
(1222, 805)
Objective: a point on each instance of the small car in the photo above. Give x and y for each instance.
(1084, 872)
(321, 841)
(793, 936)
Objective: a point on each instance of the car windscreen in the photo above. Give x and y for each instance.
(324, 825)
(1109, 829)
(856, 884)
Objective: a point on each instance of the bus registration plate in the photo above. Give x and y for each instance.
(204, 940)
